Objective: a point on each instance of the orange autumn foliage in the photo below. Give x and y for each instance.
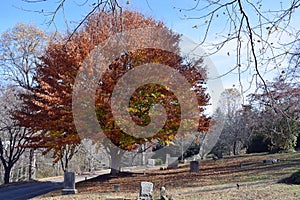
(47, 109)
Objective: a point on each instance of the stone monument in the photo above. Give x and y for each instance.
(69, 183)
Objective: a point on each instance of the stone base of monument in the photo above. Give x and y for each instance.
(69, 184)
(68, 191)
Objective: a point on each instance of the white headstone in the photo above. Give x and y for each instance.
(146, 191)
(151, 162)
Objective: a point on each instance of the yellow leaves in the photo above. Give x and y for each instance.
(169, 142)
(154, 95)
(132, 109)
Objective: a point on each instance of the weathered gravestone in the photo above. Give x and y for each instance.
(146, 190)
(173, 163)
(69, 183)
(167, 158)
(220, 154)
(151, 162)
(274, 160)
(194, 166)
(116, 187)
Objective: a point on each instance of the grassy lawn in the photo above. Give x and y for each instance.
(216, 180)
(269, 192)
(265, 192)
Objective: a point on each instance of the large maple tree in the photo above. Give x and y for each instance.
(48, 107)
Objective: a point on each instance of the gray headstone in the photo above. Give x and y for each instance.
(194, 166)
(173, 163)
(116, 187)
(267, 161)
(220, 154)
(167, 158)
(274, 160)
(69, 183)
(146, 191)
(151, 162)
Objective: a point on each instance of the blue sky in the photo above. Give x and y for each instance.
(15, 11)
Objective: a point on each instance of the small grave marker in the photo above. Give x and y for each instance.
(220, 154)
(116, 187)
(151, 162)
(146, 190)
(167, 158)
(194, 166)
(274, 160)
(173, 163)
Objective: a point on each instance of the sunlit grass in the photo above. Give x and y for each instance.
(216, 180)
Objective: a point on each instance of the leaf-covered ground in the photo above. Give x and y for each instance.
(248, 171)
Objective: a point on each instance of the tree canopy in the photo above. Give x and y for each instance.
(50, 103)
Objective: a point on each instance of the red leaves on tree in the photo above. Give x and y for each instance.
(48, 107)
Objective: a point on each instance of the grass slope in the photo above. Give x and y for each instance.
(216, 180)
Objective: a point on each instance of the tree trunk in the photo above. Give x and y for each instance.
(116, 155)
(7, 171)
(64, 162)
(31, 169)
(66, 165)
(234, 148)
(115, 164)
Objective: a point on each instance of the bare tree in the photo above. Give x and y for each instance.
(208, 140)
(20, 48)
(234, 135)
(263, 35)
(12, 137)
(94, 5)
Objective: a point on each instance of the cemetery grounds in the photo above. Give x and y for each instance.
(235, 177)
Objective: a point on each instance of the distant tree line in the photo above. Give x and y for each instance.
(269, 123)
